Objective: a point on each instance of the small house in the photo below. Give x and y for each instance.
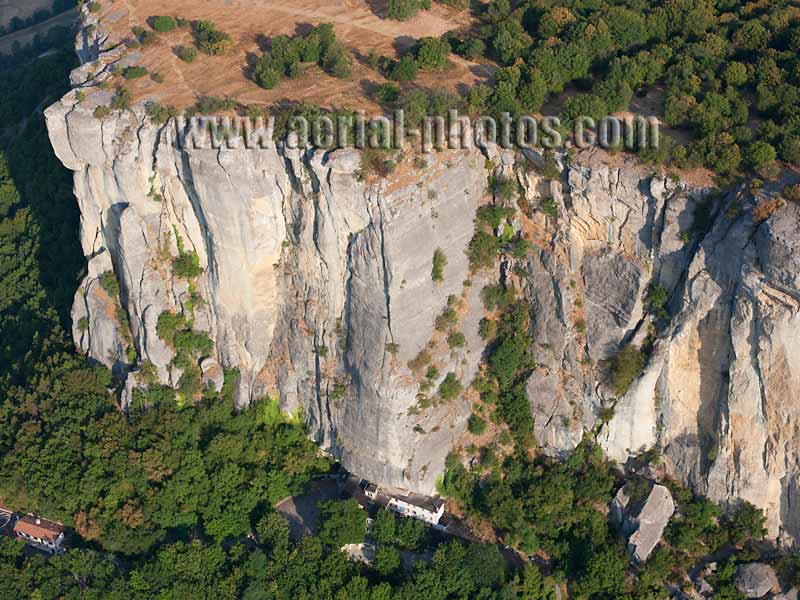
(428, 510)
(40, 533)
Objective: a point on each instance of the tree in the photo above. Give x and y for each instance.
(342, 523)
(163, 24)
(432, 53)
(476, 425)
(387, 560)
(404, 69)
(384, 528)
(403, 10)
(450, 388)
(211, 40)
(625, 367)
(761, 154)
(752, 36)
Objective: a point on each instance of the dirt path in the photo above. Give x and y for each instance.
(25, 36)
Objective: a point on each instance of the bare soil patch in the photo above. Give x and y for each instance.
(251, 22)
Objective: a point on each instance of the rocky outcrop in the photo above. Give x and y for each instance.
(642, 520)
(316, 286)
(716, 393)
(755, 580)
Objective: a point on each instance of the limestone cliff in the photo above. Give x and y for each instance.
(316, 285)
(718, 394)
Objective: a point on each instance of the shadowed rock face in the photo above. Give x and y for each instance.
(755, 580)
(317, 287)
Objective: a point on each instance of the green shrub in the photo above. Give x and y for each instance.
(110, 284)
(387, 93)
(626, 366)
(336, 61)
(432, 53)
(476, 425)
(187, 265)
(101, 112)
(450, 387)
(456, 340)
(432, 373)
(439, 263)
(163, 24)
(493, 215)
(211, 40)
(487, 329)
(404, 69)
(195, 343)
(168, 323)
(187, 53)
(95, 7)
(159, 113)
(134, 72)
(483, 251)
(403, 10)
(122, 99)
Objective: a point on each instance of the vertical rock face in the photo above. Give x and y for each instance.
(718, 392)
(316, 286)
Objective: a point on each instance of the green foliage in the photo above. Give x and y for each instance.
(211, 40)
(483, 251)
(387, 93)
(456, 339)
(160, 114)
(163, 24)
(403, 10)
(432, 53)
(745, 523)
(134, 72)
(492, 214)
(187, 265)
(187, 53)
(342, 522)
(450, 388)
(656, 301)
(405, 69)
(122, 99)
(439, 263)
(168, 324)
(287, 54)
(109, 282)
(626, 366)
(476, 425)
(497, 297)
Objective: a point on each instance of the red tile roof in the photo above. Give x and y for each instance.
(38, 528)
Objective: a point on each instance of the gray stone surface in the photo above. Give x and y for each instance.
(316, 286)
(755, 580)
(643, 522)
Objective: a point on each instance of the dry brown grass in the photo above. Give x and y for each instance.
(250, 22)
(765, 208)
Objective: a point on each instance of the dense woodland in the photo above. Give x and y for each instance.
(726, 72)
(177, 501)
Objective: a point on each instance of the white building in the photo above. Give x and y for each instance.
(429, 510)
(40, 533)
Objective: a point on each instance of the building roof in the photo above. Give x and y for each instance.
(39, 528)
(424, 502)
